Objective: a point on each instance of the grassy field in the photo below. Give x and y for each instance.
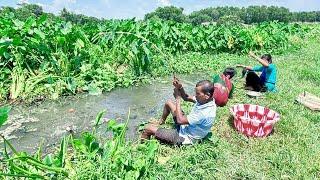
(291, 152)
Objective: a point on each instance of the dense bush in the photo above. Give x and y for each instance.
(47, 55)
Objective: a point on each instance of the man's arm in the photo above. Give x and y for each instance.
(184, 95)
(181, 119)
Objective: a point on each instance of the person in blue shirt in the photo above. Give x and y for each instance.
(188, 128)
(267, 80)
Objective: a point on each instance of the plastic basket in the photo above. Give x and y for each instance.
(254, 120)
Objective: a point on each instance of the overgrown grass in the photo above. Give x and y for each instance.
(291, 152)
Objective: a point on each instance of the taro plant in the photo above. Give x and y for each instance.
(113, 159)
(50, 54)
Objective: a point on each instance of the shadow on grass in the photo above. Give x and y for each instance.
(230, 122)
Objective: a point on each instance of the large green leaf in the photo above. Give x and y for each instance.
(79, 44)
(29, 23)
(67, 28)
(42, 19)
(99, 117)
(39, 33)
(19, 24)
(94, 90)
(5, 41)
(48, 160)
(62, 152)
(4, 112)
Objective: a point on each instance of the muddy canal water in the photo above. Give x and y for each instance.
(49, 121)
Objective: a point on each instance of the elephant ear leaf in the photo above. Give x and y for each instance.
(4, 112)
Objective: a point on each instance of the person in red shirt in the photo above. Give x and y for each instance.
(223, 87)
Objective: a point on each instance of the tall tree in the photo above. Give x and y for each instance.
(76, 18)
(198, 18)
(27, 10)
(168, 13)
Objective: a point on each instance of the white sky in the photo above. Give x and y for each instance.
(138, 8)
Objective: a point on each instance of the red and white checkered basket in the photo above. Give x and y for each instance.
(254, 120)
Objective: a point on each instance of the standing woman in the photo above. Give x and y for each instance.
(268, 77)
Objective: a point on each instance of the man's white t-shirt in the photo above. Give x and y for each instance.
(201, 119)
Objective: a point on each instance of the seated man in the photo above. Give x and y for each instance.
(223, 87)
(191, 128)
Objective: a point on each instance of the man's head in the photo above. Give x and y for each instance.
(229, 72)
(267, 57)
(204, 91)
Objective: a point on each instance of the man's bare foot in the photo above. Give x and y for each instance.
(161, 122)
(156, 122)
(153, 121)
(144, 136)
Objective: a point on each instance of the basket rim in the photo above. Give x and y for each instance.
(276, 117)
